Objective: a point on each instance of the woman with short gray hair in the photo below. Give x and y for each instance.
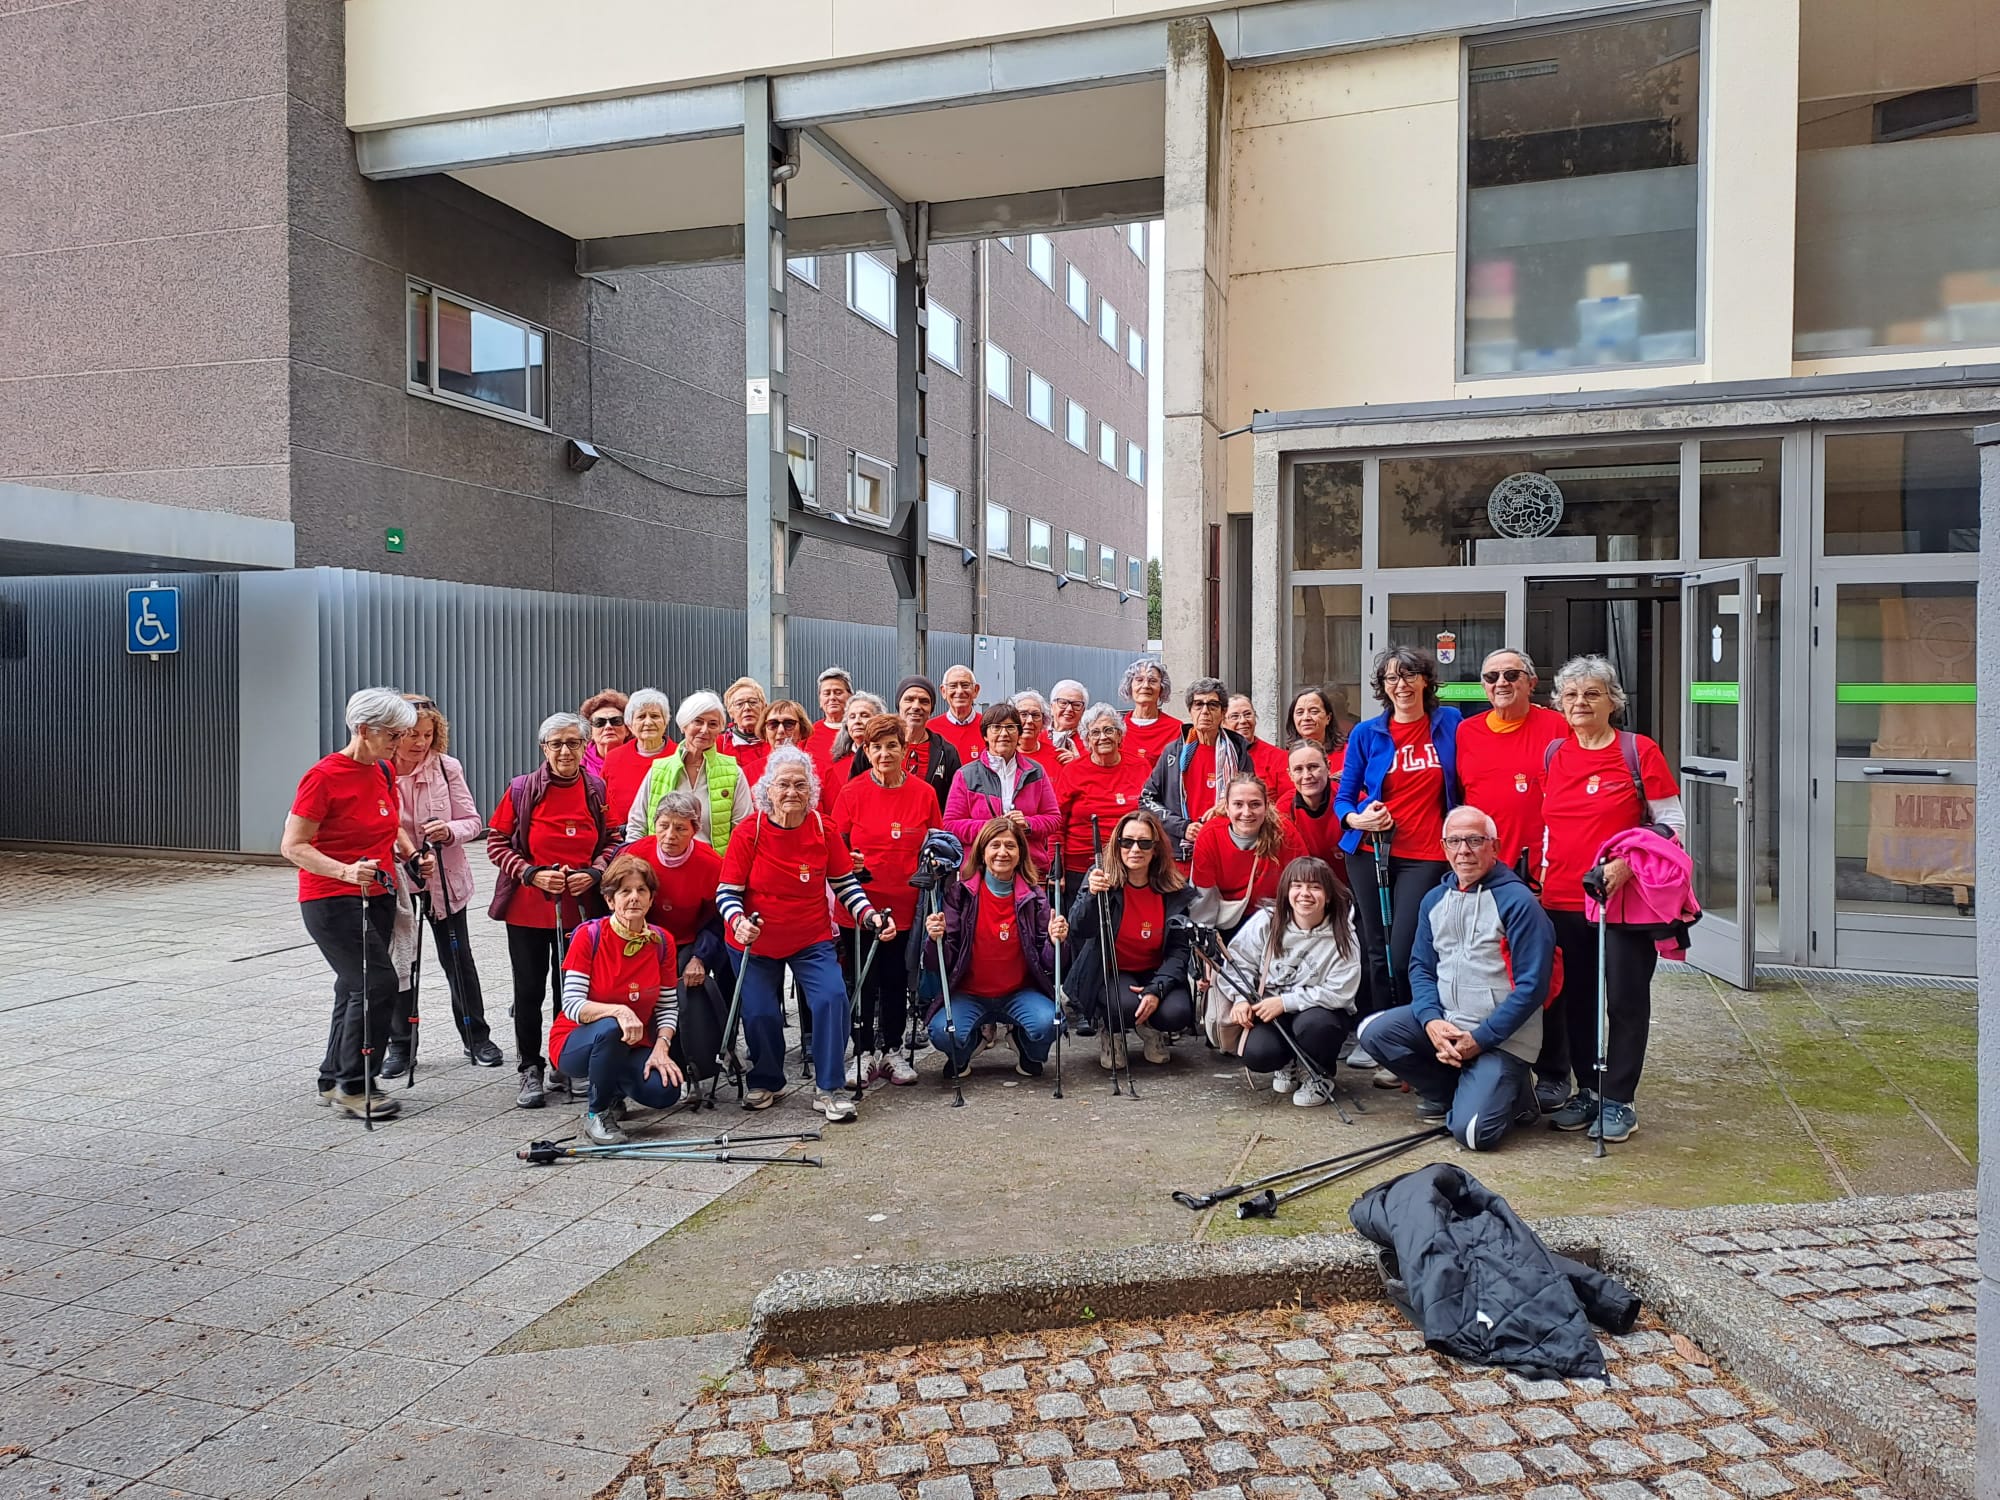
(1103, 786)
(344, 834)
(1149, 728)
(550, 838)
(648, 715)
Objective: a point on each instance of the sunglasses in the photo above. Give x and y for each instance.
(781, 723)
(1209, 704)
(1505, 674)
(1135, 843)
(606, 723)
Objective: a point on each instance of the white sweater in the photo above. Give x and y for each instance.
(1307, 971)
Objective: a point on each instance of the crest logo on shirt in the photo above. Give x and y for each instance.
(383, 807)
(1146, 932)
(1006, 932)
(1520, 781)
(1121, 796)
(569, 830)
(895, 830)
(1590, 786)
(805, 873)
(634, 992)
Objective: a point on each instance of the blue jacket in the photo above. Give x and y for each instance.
(1370, 748)
(1482, 960)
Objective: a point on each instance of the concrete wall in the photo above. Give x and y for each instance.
(1989, 967)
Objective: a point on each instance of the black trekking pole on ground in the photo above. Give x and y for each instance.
(542, 1153)
(1200, 1201)
(1108, 964)
(726, 1058)
(1264, 1205)
(1062, 1016)
(950, 1026)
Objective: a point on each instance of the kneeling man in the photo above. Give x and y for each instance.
(1479, 977)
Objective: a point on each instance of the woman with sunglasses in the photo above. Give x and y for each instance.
(1239, 856)
(1144, 896)
(604, 712)
(786, 722)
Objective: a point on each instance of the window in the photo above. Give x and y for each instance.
(1898, 178)
(1582, 197)
(1107, 564)
(1107, 321)
(943, 512)
(941, 338)
(1079, 556)
(999, 531)
(1899, 493)
(1078, 430)
(802, 457)
(1107, 445)
(1007, 243)
(1326, 515)
(1038, 545)
(870, 487)
(485, 359)
(1042, 258)
(1135, 236)
(1135, 462)
(1135, 350)
(1041, 401)
(871, 290)
(1000, 373)
(1135, 576)
(1078, 294)
(805, 267)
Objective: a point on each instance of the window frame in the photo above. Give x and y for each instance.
(855, 461)
(1074, 416)
(1076, 290)
(1048, 421)
(1107, 565)
(1006, 526)
(1135, 574)
(1135, 457)
(1135, 348)
(888, 325)
(993, 352)
(1104, 310)
(1041, 247)
(1106, 431)
(809, 491)
(1136, 237)
(1047, 561)
(433, 392)
(931, 311)
(1076, 548)
(932, 487)
(810, 276)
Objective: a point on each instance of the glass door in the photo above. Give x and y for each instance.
(1718, 647)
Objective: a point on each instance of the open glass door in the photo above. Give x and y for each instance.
(1718, 649)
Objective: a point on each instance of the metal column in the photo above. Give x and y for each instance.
(911, 566)
(767, 166)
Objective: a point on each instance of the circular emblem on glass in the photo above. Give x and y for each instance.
(1525, 505)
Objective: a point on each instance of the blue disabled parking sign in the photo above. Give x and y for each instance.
(152, 621)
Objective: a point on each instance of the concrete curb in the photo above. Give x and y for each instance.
(1879, 1416)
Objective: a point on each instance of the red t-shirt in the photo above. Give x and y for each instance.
(559, 833)
(356, 809)
(749, 757)
(886, 827)
(1274, 768)
(783, 872)
(685, 901)
(1198, 780)
(967, 739)
(1587, 797)
(1219, 865)
(1142, 931)
(1044, 755)
(1413, 790)
(1145, 741)
(624, 772)
(1319, 836)
(998, 969)
(1500, 769)
(917, 760)
(1084, 788)
(636, 981)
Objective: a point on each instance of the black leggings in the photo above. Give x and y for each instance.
(1318, 1031)
(1410, 880)
(1629, 962)
(1175, 1012)
(885, 999)
(335, 924)
(531, 955)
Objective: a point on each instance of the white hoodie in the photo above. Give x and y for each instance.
(1308, 971)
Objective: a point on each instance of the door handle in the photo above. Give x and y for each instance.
(1710, 775)
(1941, 772)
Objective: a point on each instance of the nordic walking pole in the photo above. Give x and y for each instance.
(861, 968)
(1265, 1204)
(1199, 1201)
(950, 1026)
(1108, 963)
(1055, 899)
(1322, 1079)
(726, 1058)
(423, 903)
(1603, 1022)
(555, 972)
(1382, 841)
(367, 1083)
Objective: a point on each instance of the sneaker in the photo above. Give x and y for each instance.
(395, 1060)
(862, 1070)
(896, 1068)
(484, 1054)
(559, 1083)
(1311, 1094)
(326, 1087)
(1360, 1061)
(838, 1108)
(532, 1095)
(1384, 1079)
(602, 1129)
(1155, 1045)
(1284, 1081)
(1614, 1121)
(1432, 1109)
(1026, 1066)
(1579, 1112)
(1551, 1094)
(760, 1098)
(384, 1106)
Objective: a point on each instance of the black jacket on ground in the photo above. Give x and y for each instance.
(1481, 1284)
(1084, 979)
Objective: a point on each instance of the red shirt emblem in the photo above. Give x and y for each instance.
(805, 873)
(1590, 786)
(1520, 781)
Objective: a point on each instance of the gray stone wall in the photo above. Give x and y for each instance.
(1989, 966)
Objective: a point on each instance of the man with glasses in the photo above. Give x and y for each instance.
(1500, 758)
(1479, 976)
(959, 724)
(1189, 779)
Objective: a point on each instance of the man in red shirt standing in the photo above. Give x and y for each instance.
(1500, 758)
(959, 723)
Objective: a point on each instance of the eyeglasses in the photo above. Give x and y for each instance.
(1032, 713)
(1135, 843)
(606, 722)
(781, 723)
(559, 746)
(1390, 677)
(1584, 695)
(1465, 840)
(1070, 703)
(1208, 705)
(1505, 674)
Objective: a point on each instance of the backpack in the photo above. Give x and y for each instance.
(1628, 747)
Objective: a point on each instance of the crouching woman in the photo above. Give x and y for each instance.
(996, 939)
(1140, 893)
(619, 1004)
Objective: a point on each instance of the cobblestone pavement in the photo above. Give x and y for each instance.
(1342, 1404)
(1902, 1291)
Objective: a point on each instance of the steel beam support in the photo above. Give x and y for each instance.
(766, 474)
(911, 568)
(898, 212)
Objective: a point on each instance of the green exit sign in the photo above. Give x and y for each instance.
(392, 539)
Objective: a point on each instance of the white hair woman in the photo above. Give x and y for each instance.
(699, 767)
(550, 839)
(648, 715)
(776, 875)
(343, 833)
(1035, 742)
(1149, 727)
(1101, 788)
(848, 744)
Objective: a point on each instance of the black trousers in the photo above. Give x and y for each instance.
(1387, 954)
(1318, 1031)
(451, 954)
(531, 954)
(1629, 962)
(344, 935)
(1175, 1012)
(884, 1021)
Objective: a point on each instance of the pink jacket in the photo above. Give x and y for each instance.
(975, 800)
(1661, 890)
(436, 792)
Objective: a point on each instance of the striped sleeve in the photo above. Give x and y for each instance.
(575, 993)
(847, 888)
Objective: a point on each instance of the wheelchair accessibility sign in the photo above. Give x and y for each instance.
(152, 621)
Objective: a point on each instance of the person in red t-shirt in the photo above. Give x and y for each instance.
(742, 739)
(550, 838)
(927, 755)
(686, 871)
(647, 714)
(1238, 857)
(988, 941)
(1266, 759)
(1310, 809)
(343, 833)
(786, 722)
(1311, 715)
(1587, 796)
(846, 743)
(882, 816)
(780, 866)
(619, 1006)
(835, 687)
(959, 725)
(1035, 742)
(1135, 892)
(1105, 784)
(604, 714)
(1149, 729)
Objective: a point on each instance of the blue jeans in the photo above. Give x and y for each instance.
(597, 1050)
(823, 993)
(1482, 1098)
(1029, 1012)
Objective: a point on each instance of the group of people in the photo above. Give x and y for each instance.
(1391, 893)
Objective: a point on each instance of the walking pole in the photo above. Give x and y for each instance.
(1264, 1205)
(726, 1058)
(1062, 1019)
(555, 976)
(1382, 841)
(950, 1026)
(416, 972)
(1603, 1023)
(1108, 964)
(1200, 1201)
(367, 1083)
(861, 968)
